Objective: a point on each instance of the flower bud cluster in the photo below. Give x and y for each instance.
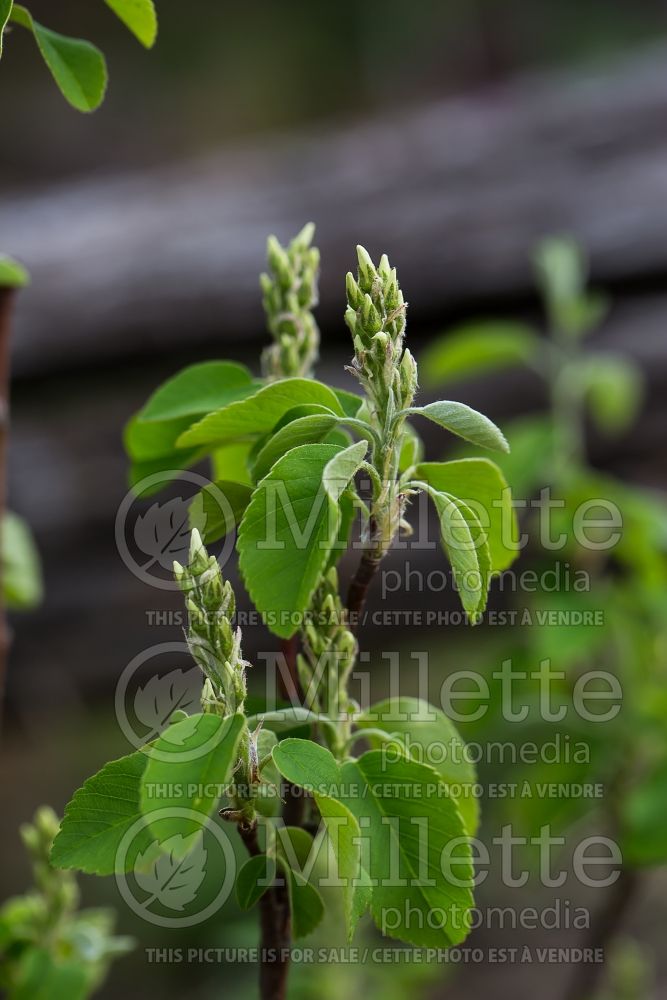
(376, 317)
(289, 294)
(57, 892)
(329, 649)
(214, 643)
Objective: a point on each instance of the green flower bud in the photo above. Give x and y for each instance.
(366, 270)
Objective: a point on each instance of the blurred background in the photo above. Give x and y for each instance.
(452, 136)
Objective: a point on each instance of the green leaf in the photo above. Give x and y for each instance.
(43, 975)
(139, 16)
(480, 484)
(258, 414)
(308, 765)
(351, 402)
(562, 271)
(412, 448)
(5, 11)
(12, 274)
(77, 66)
(187, 769)
(252, 879)
(290, 527)
(475, 349)
(267, 793)
(199, 389)
(99, 815)
(283, 719)
(150, 436)
(345, 836)
(21, 568)
(469, 556)
(230, 462)
(309, 429)
(465, 422)
(614, 387)
(643, 820)
(305, 902)
(218, 508)
(172, 871)
(430, 737)
(408, 822)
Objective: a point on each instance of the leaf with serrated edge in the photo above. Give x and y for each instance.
(386, 795)
(253, 879)
(139, 17)
(99, 815)
(290, 527)
(344, 833)
(426, 732)
(78, 67)
(308, 765)
(218, 508)
(463, 421)
(189, 773)
(172, 871)
(198, 389)
(259, 413)
(457, 540)
(481, 485)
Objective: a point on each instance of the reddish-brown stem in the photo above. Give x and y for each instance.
(276, 928)
(6, 306)
(361, 581)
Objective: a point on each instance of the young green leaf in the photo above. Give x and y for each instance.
(430, 737)
(218, 508)
(309, 429)
(284, 719)
(199, 389)
(475, 349)
(351, 402)
(253, 879)
(290, 527)
(345, 837)
(480, 484)
(139, 16)
(643, 815)
(259, 413)
(614, 388)
(99, 815)
(308, 765)
(412, 448)
(78, 67)
(562, 271)
(230, 462)
(187, 769)
(412, 833)
(5, 11)
(21, 568)
(465, 422)
(305, 902)
(468, 555)
(12, 274)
